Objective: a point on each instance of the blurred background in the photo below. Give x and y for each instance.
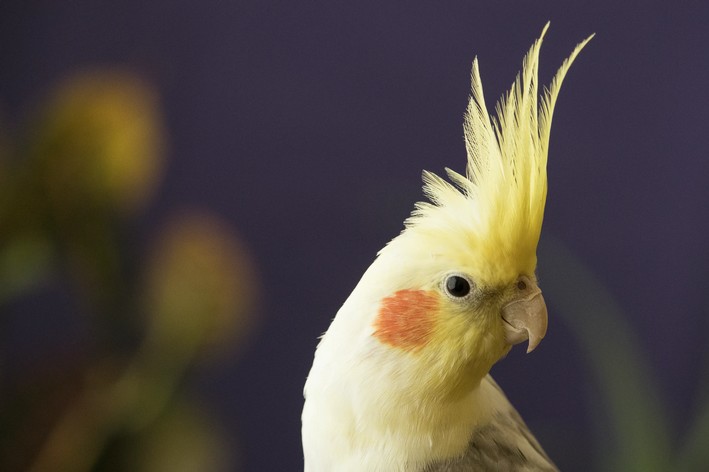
(190, 190)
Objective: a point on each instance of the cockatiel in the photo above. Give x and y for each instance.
(400, 379)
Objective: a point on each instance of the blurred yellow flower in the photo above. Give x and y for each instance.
(100, 141)
(200, 287)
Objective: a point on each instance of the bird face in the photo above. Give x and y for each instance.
(455, 315)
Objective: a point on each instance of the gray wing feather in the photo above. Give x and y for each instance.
(505, 444)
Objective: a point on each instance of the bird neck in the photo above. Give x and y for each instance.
(375, 423)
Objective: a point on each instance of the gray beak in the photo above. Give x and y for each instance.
(526, 318)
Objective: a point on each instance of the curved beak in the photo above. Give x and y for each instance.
(526, 319)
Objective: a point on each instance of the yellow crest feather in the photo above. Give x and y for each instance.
(499, 203)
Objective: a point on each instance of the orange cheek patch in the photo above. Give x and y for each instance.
(406, 319)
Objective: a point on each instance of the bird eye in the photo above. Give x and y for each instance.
(521, 285)
(457, 286)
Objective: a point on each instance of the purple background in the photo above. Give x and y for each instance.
(307, 124)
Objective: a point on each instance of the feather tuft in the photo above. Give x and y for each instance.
(500, 201)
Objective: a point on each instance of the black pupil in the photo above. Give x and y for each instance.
(457, 286)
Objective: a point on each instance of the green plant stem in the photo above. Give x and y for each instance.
(132, 402)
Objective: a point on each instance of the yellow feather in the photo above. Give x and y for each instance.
(499, 203)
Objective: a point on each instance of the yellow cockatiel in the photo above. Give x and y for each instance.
(400, 379)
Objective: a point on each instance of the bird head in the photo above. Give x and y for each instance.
(457, 288)
(451, 295)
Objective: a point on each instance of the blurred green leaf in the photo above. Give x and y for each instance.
(636, 418)
(24, 262)
(183, 439)
(693, 454)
